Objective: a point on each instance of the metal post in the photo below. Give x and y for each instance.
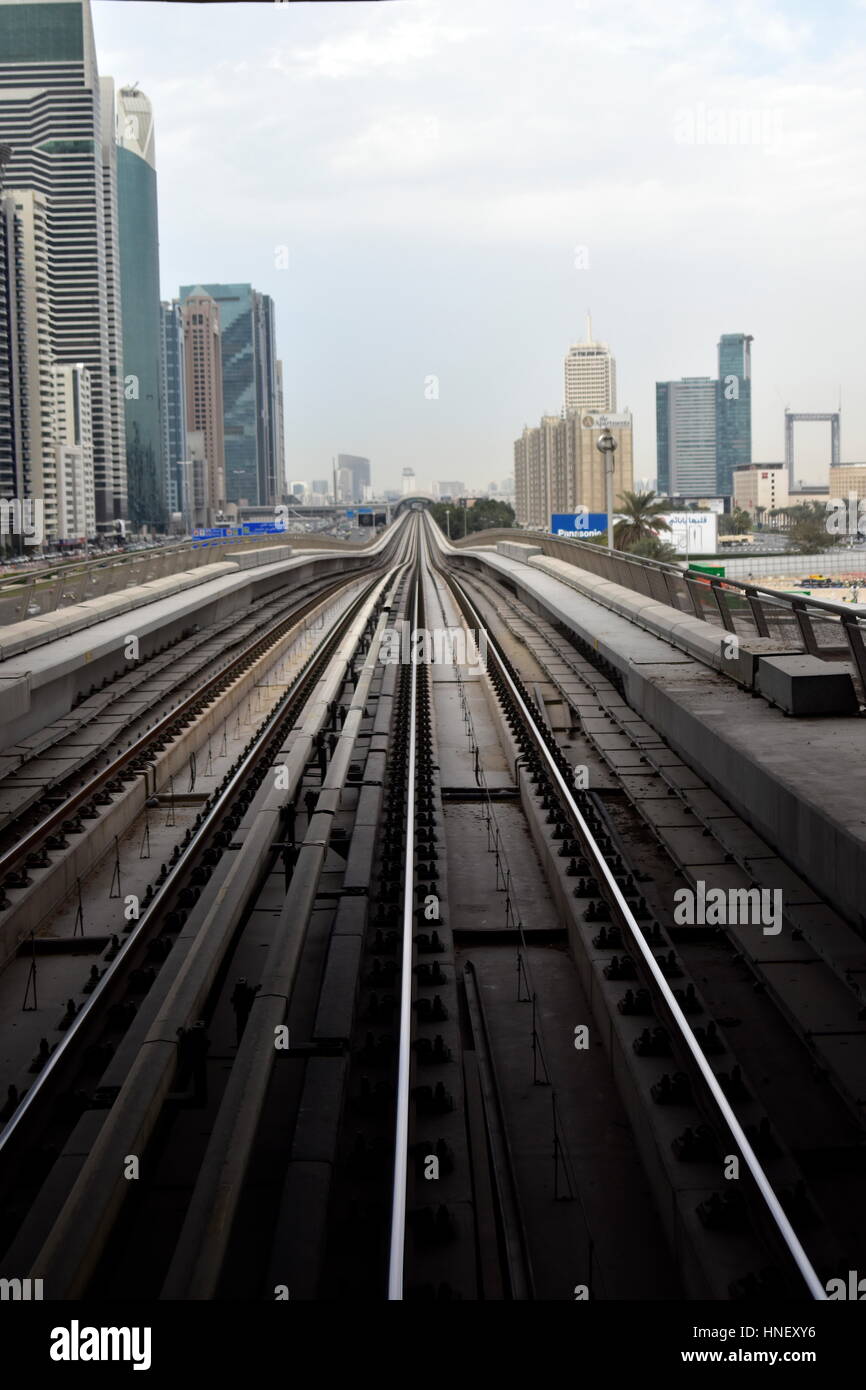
(606, 445)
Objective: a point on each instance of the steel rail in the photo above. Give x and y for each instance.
(397, 1248)
(33, 838)
(762, 1182)
(213, 814)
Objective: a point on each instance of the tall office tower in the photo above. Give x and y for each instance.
(590, 375)
(203, 372)
(113, 324)
(73, 424)
(408, 481)
(268, 401)
(320, 486)
(281, 435)
(140, 309)
(249, 391)
(359, 468)
(733, 409)
(11, 427)
(172, 390)
(36, 470)
(51, 115)
(686, 436)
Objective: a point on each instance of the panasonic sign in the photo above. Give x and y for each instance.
(578, 526)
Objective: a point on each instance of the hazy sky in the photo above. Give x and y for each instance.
(452, 183)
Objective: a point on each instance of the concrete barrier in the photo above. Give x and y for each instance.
(800, 785)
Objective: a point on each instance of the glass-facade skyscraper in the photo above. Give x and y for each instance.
(250, 399)
(359, 468)
(57, 117)
(733, 409)
(140, 310)
(174, 408)
(686, 436)
(704, 425)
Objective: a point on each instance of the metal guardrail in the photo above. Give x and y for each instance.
(819, 627)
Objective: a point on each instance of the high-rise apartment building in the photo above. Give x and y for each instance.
(113, 324)
(58, 120)
(172, 390)
(203, 373)
(138, 233)
(249, 385)
(590, 375)
(11, 424)
(359, 468)
(559, 468)
(32, 396)
(73, 417)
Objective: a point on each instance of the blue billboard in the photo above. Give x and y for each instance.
(578, 526)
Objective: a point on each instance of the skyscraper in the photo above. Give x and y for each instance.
(590, 375)
(31, 399)
(359, 468)
(203, 373)
(249, 392)
(172, 392)
(686, 436)
(733, 408)
(76, 514)
(140, 308)
(281, 435)
(11, 440)
(59, 124)
(704, 424)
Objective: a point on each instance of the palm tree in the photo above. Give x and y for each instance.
(642, 517)
(653, 548)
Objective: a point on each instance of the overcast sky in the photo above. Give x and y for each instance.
(441, 188)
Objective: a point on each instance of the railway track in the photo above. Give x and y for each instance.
(414, 1020)
(65, 1081)
(27, 837)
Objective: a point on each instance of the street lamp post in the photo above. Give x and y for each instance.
(448, 521)
(606, 445)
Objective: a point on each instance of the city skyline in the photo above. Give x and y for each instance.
(446, 211)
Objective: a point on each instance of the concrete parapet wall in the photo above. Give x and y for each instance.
(801, 784)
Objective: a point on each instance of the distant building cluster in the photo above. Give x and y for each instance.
(703, 444)
(115, 408)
